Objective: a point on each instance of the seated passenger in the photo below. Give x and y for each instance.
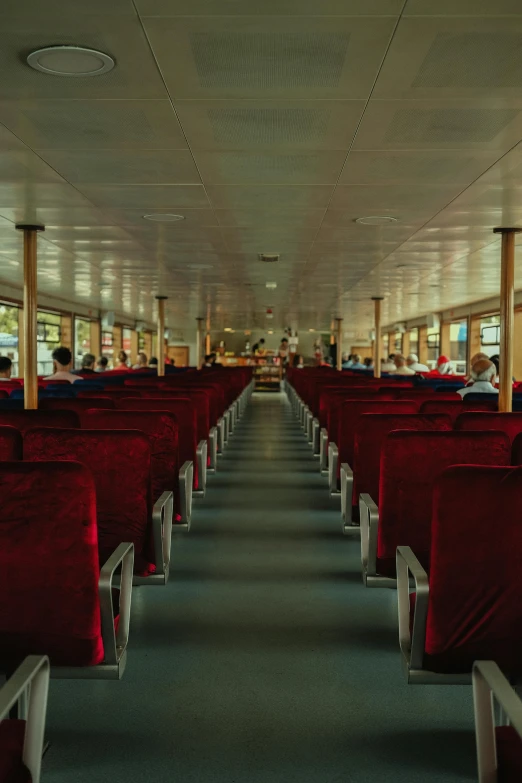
(400, 366)
(357, 363)
(122, 361)
(482, 373)
(368, 363)
(101, 364)
(443, 366)
(142, 363)
(388, 365)
(347, 361)
(6, 366)
(62, 363)
(153, 363)
(300, 363)
(413, 363)
(87, 368)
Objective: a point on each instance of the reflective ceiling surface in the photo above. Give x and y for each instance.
(270, 127)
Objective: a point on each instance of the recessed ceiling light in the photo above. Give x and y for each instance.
(163, 217)
(376, 220)
(271, 285)
(227, 329)
(200, 266)
(311, 330)
(70, 61)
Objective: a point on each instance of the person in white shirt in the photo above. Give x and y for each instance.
(388, 365)
(482, 373)
(412, 361)
(400, 366)
(6, 365)
(62, 363)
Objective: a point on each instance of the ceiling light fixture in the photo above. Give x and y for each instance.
(70, 61)
(268, 258)
(163, 217)
(271, 285)
(376, 220)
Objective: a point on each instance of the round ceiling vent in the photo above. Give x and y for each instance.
(70, 61)
(268, 258)
(376, 220)
(163, 217)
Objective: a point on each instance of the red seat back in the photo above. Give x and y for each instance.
(113, 394)
(185, 412)
(162, 432)
(49, 564)
(120, 465)
(410, 463)
(450, 408)
(199, 397)
(475, 611)
(510, 423)
(11, 444)
(75, 404)
(370, 431)
(27, 419)
(351, 411)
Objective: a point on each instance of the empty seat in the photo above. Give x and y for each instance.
(120, 464)
(516, 453)
(24, 420)
(410, 464)
(11, 444)
(469, 607)
(55, 599)
(370, 431)
(75, 404)
(510, 423)
(21, 740)
(499, 747)
(451, 408)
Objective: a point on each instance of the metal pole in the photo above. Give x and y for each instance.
(30, 315)
(507, 317)
(161, 335)
(199, 342)
(378, 342)
(339, 343)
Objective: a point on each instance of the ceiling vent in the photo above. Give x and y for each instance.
(268, 258)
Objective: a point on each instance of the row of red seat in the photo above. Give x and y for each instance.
(430, 490)
(87, 506)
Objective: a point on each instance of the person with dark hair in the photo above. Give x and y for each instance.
(87, 368)
(122, 361)
(142, 362)
(101, 364)
(259, 348)
(153, 362)
(6, 366)
(368, 363)
(62, 363)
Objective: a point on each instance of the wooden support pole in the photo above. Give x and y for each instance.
(339, 322)
(161, 335)
(378, 340)
(199, 343)
(30, 315)
(507, 316)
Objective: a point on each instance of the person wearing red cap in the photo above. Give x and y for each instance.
(443, 367)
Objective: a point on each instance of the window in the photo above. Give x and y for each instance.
(82, 340)
(414, 341)
(433, 340)
(490, 335)
(48, 337)
(9, 336)
(459, 345)
(107, 348)
(397, 342)
(126, 339)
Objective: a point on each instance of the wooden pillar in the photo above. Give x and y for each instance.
(117, 344)
(199, 342)
(423, 344)
(21, 343)
(339, 322)
(95, 339)
(378, 339)
(517, 346)
(29, 315)
(406, 343)
(473, 345)
(445, 344)
(134, 347)
(161, 335)
(507, 316)
(66, 336)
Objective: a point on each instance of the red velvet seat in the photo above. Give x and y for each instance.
(51, 601)
(199, 397)
(185, 412)
(4, 394)
(79, 406)
(448, 407)
(12, 767)
(24, 420)
(410, 464)
(510, 423)
(370, 431)
(516, 452)
(113, 394)
(11, 444)
(469, 608)
(120, 464)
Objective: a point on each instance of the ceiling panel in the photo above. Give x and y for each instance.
(304, 218)
(59, 8)
(267, 8)
(462, 8)
(268, 168)
(31, 195)
(94, 124)
(24, 166)
(393, 200)
(453, 58)
(269, 197)
(237, 125)
(146, 197)
(291, 57)
(148, 167)
(135, 76)
(400, 166)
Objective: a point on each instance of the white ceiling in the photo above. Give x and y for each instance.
(270, 126)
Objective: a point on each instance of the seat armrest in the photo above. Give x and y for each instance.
(412, 645)
(115, 643)
(333, 462)
(186, 477)
(323, 449)
(162, 514)
(29, 686)
(201, 456)
(369, 521)
(490, 685)
(346, 493)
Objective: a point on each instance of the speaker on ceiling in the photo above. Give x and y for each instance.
(432, 321)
